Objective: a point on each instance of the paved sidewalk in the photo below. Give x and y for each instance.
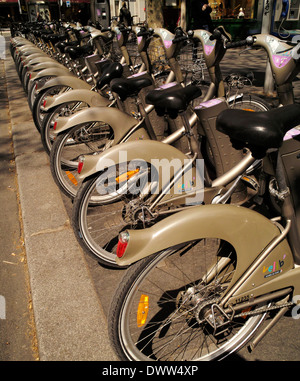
(70, 322)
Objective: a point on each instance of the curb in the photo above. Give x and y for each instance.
(70, 321)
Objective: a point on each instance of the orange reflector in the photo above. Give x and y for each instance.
(72, 178)
(248, 109)
(126, 175)
(142, 311)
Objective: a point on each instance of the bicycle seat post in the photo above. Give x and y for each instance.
(287, 208)
(190, 133)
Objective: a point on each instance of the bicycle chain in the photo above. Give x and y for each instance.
(263, 310)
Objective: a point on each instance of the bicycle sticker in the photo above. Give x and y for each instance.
(280, 60)
(210, 103)
(291, 134)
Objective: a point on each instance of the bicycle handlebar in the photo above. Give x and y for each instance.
(145, 32)
(179, 39)
(249, 41)
(220, 35)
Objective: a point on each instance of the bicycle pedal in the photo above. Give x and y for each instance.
(250, 182)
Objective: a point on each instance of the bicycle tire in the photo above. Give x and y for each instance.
(46, 131)
(67, 148)
(37, 114)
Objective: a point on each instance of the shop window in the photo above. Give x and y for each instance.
(232, 9)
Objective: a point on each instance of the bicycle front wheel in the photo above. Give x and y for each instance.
(166, 306)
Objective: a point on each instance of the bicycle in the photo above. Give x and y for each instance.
(202, 281)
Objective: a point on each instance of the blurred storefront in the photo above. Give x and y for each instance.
(243, 17)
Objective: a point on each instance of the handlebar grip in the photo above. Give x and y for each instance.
(143, 33)
(216, 35)
(237, 44)
(123, 28)
(179, 39)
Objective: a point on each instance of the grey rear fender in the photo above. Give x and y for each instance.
(61, 71)
(44, 65)
(119, 121)
(27, 50)
(20, 41)
(247, 231)
(65, 80)
(148, 151)
(36, 58)
(91, 98)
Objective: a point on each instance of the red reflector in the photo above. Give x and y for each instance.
(55, 125)
(80, 166)
(44, 104)
(122, 244)
(121, 249)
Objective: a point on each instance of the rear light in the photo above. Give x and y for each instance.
(122, 244)
(80, 164)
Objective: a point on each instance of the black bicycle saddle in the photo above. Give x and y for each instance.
(259, 131)
(111, 71)
(78, 51)
(126, 87)
(172, 98)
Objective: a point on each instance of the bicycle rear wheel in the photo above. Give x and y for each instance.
(99, 213)
(83, 139)
(162, 309)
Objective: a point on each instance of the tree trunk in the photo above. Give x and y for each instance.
(154, 9)
(92, 8)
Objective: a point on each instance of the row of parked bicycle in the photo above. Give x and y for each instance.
(163, 178)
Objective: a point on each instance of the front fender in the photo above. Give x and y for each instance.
(247, 231)
(92, 98)
(119, 121)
